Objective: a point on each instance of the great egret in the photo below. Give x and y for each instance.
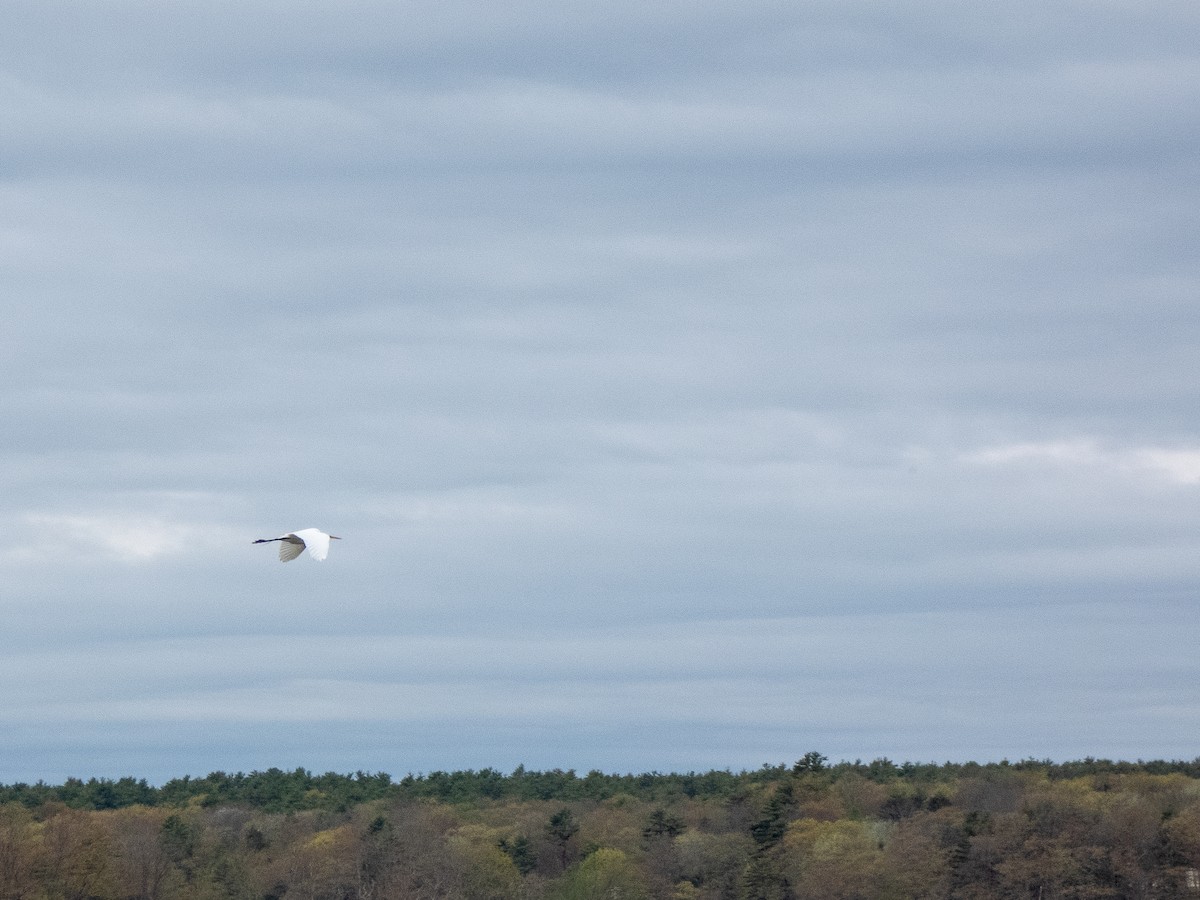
(293, 543)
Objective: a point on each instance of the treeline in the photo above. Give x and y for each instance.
(806, 831)
(275, 790)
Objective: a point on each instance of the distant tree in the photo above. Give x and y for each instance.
(830, 860)
(607, 874)
(104, 793)
(561, 828)
(882, 769)
(491, 784)
(142, 862)
(861, 797)
(404, 852)
(178, 838)
(483, 871)
(18, 851)
(323, 865)
(993, 792)
(377, 854)
(76, 859)
(768, 830)
(714, 861)
(915, 860)
(255, 840)
(1041, 866)
(521, 851)
(810, 763)
(763, 879)
(1181, 838)
(662, 824)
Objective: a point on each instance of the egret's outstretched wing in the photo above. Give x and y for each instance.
(291, 546)
(293, 543)
(316, 540)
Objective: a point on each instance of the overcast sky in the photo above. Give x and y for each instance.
(693, 385)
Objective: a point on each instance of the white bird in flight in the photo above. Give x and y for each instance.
(293, 543)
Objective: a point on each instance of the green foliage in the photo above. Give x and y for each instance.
(811, 762)
(275, 790)
(561, 828)
(870, 831)
(95, 793)
(606, 874)
(768, 830)
(663, 824)
(520, 850)
(178, 839)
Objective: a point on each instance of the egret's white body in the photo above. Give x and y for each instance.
(294, 543)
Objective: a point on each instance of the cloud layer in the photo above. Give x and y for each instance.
(693, 385)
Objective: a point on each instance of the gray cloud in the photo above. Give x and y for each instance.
(692, 384)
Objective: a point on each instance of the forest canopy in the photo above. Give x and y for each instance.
(275, 790)
(811, 829)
